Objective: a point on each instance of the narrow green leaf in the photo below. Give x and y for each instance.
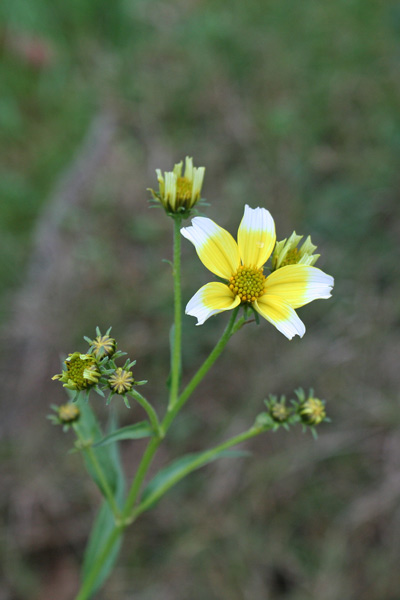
(90, 430)
(105, 521)
(173, 473)
(130, 432)
(102, 528)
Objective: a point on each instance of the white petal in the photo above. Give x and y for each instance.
(280, 314)
(256, 236)
(211, 299)
(299, 284)
(216, 247)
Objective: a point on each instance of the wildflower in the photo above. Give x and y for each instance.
(68, 413)
(65, 415)
(179, 193)
(102, 345)
(81, 372)
(312, 411)
(286, 252)
(121, 381)
(241, 265)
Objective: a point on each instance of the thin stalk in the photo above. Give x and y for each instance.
(171, 414)
(151, 413)
(100, 473)
(139, 477)
(177, 334)
(203, 370)
(252, 432)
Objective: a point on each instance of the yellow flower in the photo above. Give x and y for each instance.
(241, 265)
(179, 193)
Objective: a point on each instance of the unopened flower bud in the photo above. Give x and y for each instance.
(121, 381)
(287, 252)
(312, 411)
(179, 193)
(103, 345)
(68, 413)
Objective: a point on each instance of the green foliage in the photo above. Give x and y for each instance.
(130, 432)
(107, 456)
(177, 470)
(104, 524)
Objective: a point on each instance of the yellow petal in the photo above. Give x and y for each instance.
(280, 314)
(256, 236)
(216, 247)
(299, 284)
(211, 299)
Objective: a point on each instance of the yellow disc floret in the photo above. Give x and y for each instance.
(121, 381)
(183, 189)
(248, 283)
(291, 258)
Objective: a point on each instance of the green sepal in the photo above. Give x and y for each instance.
(130, 432)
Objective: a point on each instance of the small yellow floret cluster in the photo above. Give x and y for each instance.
(247, 283)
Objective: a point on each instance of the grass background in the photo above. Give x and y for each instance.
(292, 106)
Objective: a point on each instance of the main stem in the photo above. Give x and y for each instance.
(177, 333)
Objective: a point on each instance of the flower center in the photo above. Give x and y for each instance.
(247, 283)
(76, 367)
(183, 188)
(291, 258)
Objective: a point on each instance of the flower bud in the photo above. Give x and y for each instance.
(312, 412)
(179, 193)
(121, 381)
(286, 252)
(103, 345)
(68, 413)
(277, 409)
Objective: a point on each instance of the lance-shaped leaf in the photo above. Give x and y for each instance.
(130, 432)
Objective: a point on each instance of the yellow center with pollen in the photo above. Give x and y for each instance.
(291, 258)
(183, 189)
(76, 367)
(247, 283)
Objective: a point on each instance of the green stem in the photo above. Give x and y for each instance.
(128, 514)
(148, 408)
(104, 486)
(177, 333)
(203, 459)
(139, 477)
(230, 329)
(86, 590)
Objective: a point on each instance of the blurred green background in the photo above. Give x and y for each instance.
(290, 105)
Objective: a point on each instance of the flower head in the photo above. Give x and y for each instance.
(179, 193)
(68, 413)
(102, 345)
(241, 263)
(121, 381)
(287, 252)
(81, 372)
